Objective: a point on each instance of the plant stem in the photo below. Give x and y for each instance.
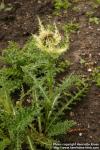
(39, 118)
(30, 143)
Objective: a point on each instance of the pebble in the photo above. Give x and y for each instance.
(91, 112)
(88, 126)
(71, 114)
(89, 70)
(80, 134)
(91, 137)
(98, 29)
(79, 124)
(28, 100)
(90, 56)
(90, 27)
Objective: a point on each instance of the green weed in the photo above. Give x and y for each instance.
(98, 1)
(94, 20)
(96, 76)
(61, 4)
(71, 27)
(5, 7)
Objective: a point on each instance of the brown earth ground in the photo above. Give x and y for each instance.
(18, 24)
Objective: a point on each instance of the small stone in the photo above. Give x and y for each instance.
(39, 2)
(90, 27)
(79, 124)
(28, 100)
(98, 29)
(91, 137)
(88, 125)
(90, 56)
(89, 70)
(71, 114)
(80, 134)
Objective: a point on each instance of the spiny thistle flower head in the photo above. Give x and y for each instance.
(50, 41)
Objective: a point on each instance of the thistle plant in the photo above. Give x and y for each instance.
(37, 115)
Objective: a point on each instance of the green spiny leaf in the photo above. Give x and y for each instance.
(60, 128)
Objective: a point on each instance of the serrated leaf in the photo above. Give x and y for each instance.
(61, 128)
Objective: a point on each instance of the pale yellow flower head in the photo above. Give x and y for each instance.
(50, 40)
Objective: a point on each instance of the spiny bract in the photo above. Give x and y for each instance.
(50, 41)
